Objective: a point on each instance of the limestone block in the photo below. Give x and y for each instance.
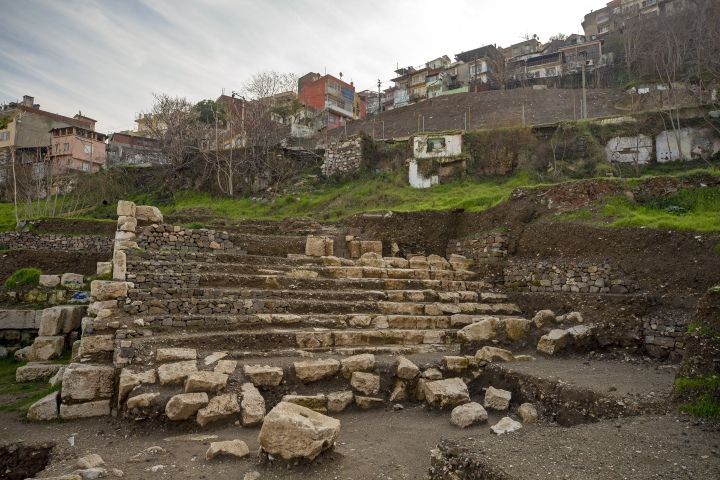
(72, 317)
(205, 382)
(125, 208)
(218, 408)
(497, 399)
(226, 366)
(148, 214)
(528, 413)
(371, 259)
(419, 262)
(171, 373)
(229, 448)
(34, 371)
(263, 375)
(406, 369)
(49, 281)
(506, 425)
(318, 246)
(82, 382)
(318, 402)
(119, 265)
(252, 405)
(44, 409)
(481, 331)
(103, 268)
(92, 344)
(494, 354)
(436, 262)
(314, 370)
(72, 280)
(517, 328)
(366, 383)
(339, 401)
(399, 392)
(214, 357)
(47, 348)
(144, 400)
(97, 408)
(544, 317)
(431, 374)
(368, 403)
(553, 342)
(126, 224)
(175, 354)
(370, 246)
(460, 262)
(468, 414)
(125, 236)
(446, 393)
(108, 290)
(51, 321)
(185, 405)
(294, 432)
(455, 363)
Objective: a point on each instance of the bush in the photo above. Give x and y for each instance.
(23, 277)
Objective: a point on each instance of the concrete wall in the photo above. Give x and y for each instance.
(685, 144)
(452, 148)
(417, 180)
(636, 149)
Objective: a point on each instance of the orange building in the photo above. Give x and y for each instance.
(76, 149)
(328, 94)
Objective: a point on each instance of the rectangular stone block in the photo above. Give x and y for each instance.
(49, 281)
(47, 348)
(98, 408)
(87, 382)
(51, 322)
(370, 246)
(126, 208)
(103, 268)
(119, 265)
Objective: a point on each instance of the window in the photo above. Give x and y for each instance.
(87, 149)
(435, 144)
(85, 166)
(66, 147)
(4, 136)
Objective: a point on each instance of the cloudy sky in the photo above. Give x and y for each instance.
(107, 57)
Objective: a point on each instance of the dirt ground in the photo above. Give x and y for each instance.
(55, 262)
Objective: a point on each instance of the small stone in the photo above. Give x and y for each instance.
(543, 317)
(468, 414)
(72, 280)
(232, 448)
(366, 383)
(406, 369)
(175, 354)
(252, 405)
(144, 400)
(528, 413)
(357, 363)
(553, 342)
(170, 373)
(263, 375)
(446, 393)
(90, 461)
(317, 402)
(497, 399)
(315, 370)
(339, 401)
(432, 374)
(494, 354)
(185, 405)
(214, 357)
(49, 281)
(367, 403)
(44, 409)
(205, 382)
(226, 366)
(218, 408)
(506, 425)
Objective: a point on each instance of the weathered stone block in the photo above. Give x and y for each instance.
(125, 208)
(446, 393)
(108, 290)
(97, 408)
(72, 280)
(87, 382)
(185, 405)
(315, 370)
(252, 405)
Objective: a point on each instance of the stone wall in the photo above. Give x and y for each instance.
(32, 241)
(157, 237)
(18, 328)
(490, 247)
(343, 157)
(562, 276)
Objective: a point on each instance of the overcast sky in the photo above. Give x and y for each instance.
(107, 57)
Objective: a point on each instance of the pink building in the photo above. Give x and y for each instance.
(76, 149)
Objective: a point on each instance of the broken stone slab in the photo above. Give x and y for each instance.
(72, 280)
(148, 214)
(144, 400)
(47, 348)
(497, 399)
(506, 425)
(315, 370)
(35, 371)
(543, 318)
(129, 380)
(366, 383)
(175, 354)
(468, 414)
(49, 281)
(406, 369)
(98, 408)
(103, 268)
(44, 409)
(368, 403)
(263, 375)
(339, 401)
(126, 224)
(108, 290)
(364, 362)
(432, 374)
(553, 342)
(295, 432)
(57, 378)
(456, 364)
(231, 448)
(83, 382)
(316, 402)
(481, 331)
(214, 357)
(517, 328)
(494, 354)
(51, 322)
(446, 393)
(226, 366)
(126, 208)
(177, 372)
(399, 392)
(94, 344)
(205, 382)
(218, 408)
(252, 405)
(528, 413)
(185, 405)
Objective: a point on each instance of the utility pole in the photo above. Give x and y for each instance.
(379, 97)
(584, 92)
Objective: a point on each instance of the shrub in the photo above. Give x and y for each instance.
(23, 277)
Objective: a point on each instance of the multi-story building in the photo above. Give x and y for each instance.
(129, 148)
(326, 93)
(76, 149)
(613, 15)
(480, 65)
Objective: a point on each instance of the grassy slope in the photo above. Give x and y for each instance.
(17, 397)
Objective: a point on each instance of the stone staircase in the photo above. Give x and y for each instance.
(199, 318)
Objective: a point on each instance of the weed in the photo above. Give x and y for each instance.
(17, 397)
(23, 277)
(705, 406)
(707, 383)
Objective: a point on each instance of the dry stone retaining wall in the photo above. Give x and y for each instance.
(343, 157)
(157, 237)
(561, 276)
(32, 241)
(490, 247)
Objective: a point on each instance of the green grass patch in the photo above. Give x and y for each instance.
(708, 383)
(705, 406)
(22, 394)
(7, 217)
(23, 277)
(703, 330)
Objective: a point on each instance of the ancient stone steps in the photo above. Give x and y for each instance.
(229, 322)
(279, 282)
(161, 257)
(349, 295)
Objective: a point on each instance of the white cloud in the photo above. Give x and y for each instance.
(106, 58)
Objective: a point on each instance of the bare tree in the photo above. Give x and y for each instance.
(269, 83)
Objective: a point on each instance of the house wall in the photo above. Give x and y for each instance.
(76, 158)
(685, 144)
(636, 149)
(453, 146)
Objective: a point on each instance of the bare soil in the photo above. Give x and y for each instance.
(50, 262)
